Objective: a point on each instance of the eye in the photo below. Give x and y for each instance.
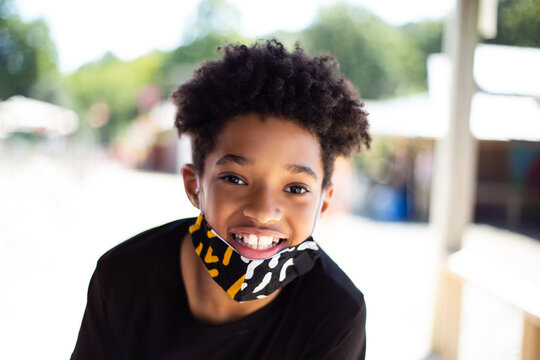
(296, 189)
(233, 179)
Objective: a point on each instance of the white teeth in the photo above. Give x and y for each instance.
(252, 240)
(255, 242)
(265, 241)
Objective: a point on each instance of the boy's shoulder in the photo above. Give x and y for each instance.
(330, 312)
(154, 237)
(334, 287)
(143, 249)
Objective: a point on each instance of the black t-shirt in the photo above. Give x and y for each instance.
(137, 309)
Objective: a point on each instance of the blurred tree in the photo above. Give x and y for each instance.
(214, 25)
(115, 83)
(518, 23)
(427, 37)
(27, 56)
(179, 64)
(380, 60)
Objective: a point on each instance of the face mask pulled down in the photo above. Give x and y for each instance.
(247, 279)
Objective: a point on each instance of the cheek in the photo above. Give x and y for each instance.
(224, 197)
(305, 207)
(301, 211)
(220, 204)
(302, 219)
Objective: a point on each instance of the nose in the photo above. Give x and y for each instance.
(262, 207)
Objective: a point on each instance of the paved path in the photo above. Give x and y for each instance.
(59, 215)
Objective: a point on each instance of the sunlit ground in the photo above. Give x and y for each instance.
(61, 212)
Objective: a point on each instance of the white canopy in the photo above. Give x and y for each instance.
(493, 117)
(506, 107)
(19, 113)
(509, 70)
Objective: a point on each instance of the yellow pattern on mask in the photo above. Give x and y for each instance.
(199, 249)
(236, 287)
(197, 225)
(227, 256)
(213, 272)
(209, 258)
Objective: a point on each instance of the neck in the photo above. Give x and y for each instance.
(207, 300)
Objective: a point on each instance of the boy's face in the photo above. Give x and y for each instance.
(262, 185)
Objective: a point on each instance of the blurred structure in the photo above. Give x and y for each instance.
(151, 141)
(504, 123)
(455, 175)
(470, 149)
(21, 114)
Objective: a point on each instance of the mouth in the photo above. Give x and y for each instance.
(257, 242)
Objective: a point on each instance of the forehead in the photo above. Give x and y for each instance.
(270, 140)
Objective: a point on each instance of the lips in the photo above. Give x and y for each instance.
(256, 243)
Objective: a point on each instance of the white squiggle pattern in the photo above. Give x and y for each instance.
(274, 261)
(308, 245)
(265, 281)
(286, 250)
(283, 272)
(251, 268)
(244, 285)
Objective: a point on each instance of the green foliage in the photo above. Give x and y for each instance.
(27, 54)
(381, 60)
(116, 83)
(214, 25)
(427, 38)
(426, 35)
(518, 23)
(179, 64)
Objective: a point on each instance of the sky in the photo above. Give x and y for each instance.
(85, 30)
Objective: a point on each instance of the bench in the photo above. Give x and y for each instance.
(477, 268)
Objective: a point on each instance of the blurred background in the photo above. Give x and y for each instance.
(89, 156)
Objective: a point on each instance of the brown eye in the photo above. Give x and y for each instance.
(233, 179)
(296, 189)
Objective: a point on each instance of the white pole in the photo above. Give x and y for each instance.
(454, 181)
(453, 188)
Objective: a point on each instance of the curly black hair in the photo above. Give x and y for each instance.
(269, 80)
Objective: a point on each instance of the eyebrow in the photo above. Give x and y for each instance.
(300, 169)
(240, 160)
(244, 161)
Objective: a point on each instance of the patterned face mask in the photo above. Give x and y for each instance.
(248, 279)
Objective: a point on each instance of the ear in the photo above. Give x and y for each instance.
(328, 193)
(190, 184)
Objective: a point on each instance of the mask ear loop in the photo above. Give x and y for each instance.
(199, 191)
(318, 214)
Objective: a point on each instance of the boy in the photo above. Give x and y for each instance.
(244, 280)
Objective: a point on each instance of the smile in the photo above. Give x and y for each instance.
(257, 242)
